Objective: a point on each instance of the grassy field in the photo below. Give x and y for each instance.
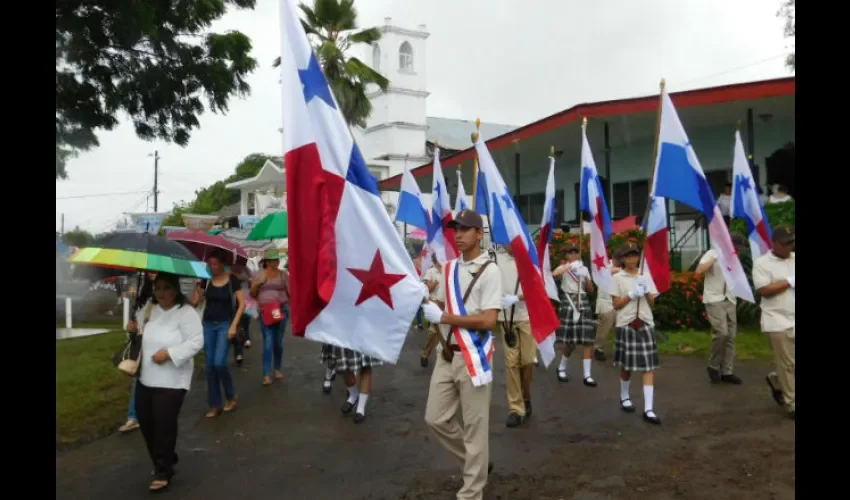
(750, 344)
(91, 394)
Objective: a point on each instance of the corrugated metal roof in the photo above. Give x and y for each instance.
(455, 134)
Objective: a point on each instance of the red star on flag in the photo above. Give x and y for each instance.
(376, 281)
(599, 261)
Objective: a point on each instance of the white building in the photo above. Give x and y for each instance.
(399, 130)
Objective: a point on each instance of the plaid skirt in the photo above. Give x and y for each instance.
(571, 332)
(636, 350)
(347, 360)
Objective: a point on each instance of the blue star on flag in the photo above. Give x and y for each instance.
(314, 83)
(744, 182)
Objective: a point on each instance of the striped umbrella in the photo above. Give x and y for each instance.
(140, 252)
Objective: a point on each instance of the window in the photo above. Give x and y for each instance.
(531, 207)
(405, 57)
(376, 57)
(630, 198)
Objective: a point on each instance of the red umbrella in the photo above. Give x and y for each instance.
(201, 244)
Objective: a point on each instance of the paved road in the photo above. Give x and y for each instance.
(290, 440)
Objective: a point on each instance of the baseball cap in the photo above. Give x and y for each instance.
(783, 233)
(466, 218)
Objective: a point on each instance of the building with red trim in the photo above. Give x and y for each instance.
(621, 134)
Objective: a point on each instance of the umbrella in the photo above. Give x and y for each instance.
(215, 230)
(124, 252)
(270, 227)
(201, 244)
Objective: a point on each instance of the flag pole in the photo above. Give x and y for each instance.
(580, 212)
(405, 222)
(654, 165)
(475, 163)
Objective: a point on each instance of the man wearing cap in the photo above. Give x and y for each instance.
(721, 308)
(773, 277)
(452, 389)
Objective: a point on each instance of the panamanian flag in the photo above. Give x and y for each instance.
(746, 204)
(352, 281)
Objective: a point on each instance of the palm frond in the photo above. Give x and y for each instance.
(369, 36)
(358, 69)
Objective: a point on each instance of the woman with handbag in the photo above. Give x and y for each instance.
(134, 327)
(271, 289)
(223, 305)
(172, 337)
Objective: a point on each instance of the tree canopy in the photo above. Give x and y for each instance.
(213, 198)
(788, 11)
(77, 237)
(154, 60)
(332, 27)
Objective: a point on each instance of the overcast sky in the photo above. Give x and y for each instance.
(505, 61)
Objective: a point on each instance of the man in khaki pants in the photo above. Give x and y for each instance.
(774, 278)
(452, 396)
(434, 281)
(721, 307)
(520, 346)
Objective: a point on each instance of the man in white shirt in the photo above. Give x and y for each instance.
(721, 308)
(724, 203)
(774, 278)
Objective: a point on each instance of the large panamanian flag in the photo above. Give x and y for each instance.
(352, 281)
(508, 228)
(441, 238)
(544, 238)
(679, 176)
(593, 202)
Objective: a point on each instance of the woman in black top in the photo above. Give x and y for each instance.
(223, 308)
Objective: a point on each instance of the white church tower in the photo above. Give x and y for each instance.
(397, 128)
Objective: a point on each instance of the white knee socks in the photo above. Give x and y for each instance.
(648, 393)
(624, 389)
(361, 403)
(586, 364)
(353, 394)
(563, 366)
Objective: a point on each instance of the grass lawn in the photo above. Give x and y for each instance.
(91, 394)
(107, 324)
(750, 344)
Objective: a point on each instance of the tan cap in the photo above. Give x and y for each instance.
(466, 218)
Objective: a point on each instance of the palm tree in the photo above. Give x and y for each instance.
(331, 25)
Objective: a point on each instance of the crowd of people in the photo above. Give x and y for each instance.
(486, 296)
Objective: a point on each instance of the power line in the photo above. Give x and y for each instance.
(100, 195)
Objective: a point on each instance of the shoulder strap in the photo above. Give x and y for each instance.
(474, 280)
(513, 307)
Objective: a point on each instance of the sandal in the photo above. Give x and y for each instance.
(267, 380)
(630, 408)
(230, 405)
(158, 485)
(213, 412)
(129, 425)
(278, 375)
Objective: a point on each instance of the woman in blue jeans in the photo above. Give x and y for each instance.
(223, 307)
(271, 289)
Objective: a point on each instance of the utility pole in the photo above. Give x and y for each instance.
(155, 179)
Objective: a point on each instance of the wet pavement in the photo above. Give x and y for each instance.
(291, 441)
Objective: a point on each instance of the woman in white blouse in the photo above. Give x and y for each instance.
(173, 336)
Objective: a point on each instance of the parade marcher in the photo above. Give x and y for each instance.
(434, 281)
(774, 278)
(606, 316)
(329, 360)
(635, 349)
(721, 307)
(349, 363)
(520, 346)
(577, 325)
(461, 383)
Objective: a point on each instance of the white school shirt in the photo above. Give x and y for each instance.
(179, 331)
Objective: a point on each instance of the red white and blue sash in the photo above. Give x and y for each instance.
(477, 353)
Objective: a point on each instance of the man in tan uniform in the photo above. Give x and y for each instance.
(452, 394)
(520, 346)
(721, 307)
(434, 281)
(774, 278)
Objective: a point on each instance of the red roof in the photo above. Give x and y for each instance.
(699, 97)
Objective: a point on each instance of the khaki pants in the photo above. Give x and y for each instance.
(723, 317)
(784, 355)
(431, 342)
(519, 364)
(459, 415)
(604, 325)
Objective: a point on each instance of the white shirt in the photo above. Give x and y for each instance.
(778, 313)
(714, 287)
(724, 203)
(179, 331)
(775, 198)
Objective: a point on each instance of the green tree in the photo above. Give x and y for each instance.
(213, 198)
(77, 237)
(789, 13)
(331, 25)
(154, 60)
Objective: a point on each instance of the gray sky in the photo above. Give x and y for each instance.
(563, 52)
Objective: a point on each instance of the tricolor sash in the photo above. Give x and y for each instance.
(477, 352)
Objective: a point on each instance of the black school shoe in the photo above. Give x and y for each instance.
(514, 420)
(731, 379)
(713, 374)
(528, 409)
(347, 407)
(652, 419)
(776, 393)
(359, 418)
